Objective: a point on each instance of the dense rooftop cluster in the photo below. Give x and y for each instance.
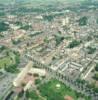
(49, 51)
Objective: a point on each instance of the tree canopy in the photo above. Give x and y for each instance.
(3, 26)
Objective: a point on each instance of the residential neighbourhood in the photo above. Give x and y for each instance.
(49, 50)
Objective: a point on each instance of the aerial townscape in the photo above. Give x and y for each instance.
(48, 49)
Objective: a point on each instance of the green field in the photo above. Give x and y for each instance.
(52, 92)
(32, 95)
(7, 60)
(10, 62)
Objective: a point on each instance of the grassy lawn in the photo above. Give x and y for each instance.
(32, 95)
(8, 60)
(55, 90)
(5, 61)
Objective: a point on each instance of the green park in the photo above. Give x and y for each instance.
(9, 61)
